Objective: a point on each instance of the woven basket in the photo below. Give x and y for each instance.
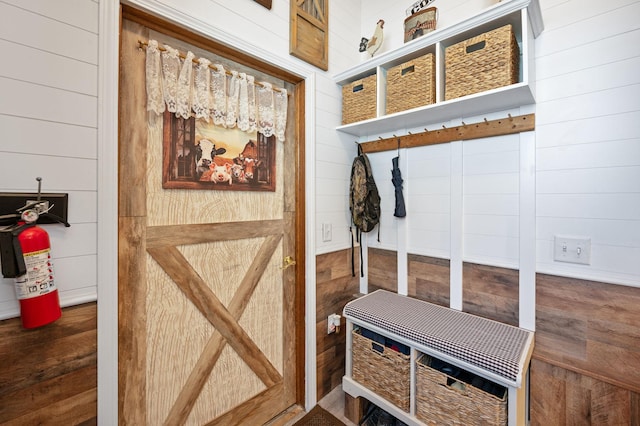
(420, 23)
(481, 63)
(386, 373)
(440, 401)
(411, 84)
(359, 100)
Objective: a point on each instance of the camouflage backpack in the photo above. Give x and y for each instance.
(364, 200)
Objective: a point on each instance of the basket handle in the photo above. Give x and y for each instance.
(408, 70)
(476, 46)
(456, 384)
(376, 347)
(358, 88)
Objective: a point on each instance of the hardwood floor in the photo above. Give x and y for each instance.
(333, 402)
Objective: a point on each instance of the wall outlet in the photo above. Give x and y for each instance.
(572, 250)
(333, 323)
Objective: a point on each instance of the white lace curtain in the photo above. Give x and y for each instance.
(191, 87)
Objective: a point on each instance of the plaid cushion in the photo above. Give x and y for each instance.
(490, 345)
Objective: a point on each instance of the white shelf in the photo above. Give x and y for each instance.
(499, 99)
(523, 15)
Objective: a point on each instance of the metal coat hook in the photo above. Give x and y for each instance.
(485, 120)
(464, 124)
(444, 127)
(510, 117)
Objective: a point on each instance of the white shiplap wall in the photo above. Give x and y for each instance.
(588, 136)
(587, 149)
(48, 128)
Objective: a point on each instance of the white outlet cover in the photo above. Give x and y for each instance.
(326, 232)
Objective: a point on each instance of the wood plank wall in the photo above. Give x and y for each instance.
(490, 292)
(50, 372)
(383, 270)
(586, 367)
(429, 279)
(334, 288)
(586, 362)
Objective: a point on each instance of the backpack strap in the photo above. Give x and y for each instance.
(353, 264)
(361, 258)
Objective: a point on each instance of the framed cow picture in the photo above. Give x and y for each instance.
(200, 155)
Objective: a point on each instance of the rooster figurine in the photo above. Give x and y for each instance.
(373, 44)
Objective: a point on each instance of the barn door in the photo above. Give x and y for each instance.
(209, 290)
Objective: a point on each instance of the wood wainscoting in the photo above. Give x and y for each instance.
(334, 288)
(429, 279)
(383, 270)
(586, 367)
(50, 372)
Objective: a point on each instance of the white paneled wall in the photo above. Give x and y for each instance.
(48, 128)
(587, 148)
(428, 198)
(588, 136)
(489, 193)
(491, 169)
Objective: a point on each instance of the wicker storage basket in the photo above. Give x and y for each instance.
(481, 63)
(359, 100)
(382, 370)
(420, 23)
(443, 399)
(411, 84)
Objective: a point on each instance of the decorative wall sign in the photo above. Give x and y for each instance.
(309, 32)
(265, 3)
(199, 155)
(418, 6)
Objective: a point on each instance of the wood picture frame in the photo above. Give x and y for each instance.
(200, 155)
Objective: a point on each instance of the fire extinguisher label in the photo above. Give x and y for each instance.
(39, 277)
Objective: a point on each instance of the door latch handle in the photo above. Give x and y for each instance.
(287, 261)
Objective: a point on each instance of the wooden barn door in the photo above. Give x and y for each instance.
(210, 296)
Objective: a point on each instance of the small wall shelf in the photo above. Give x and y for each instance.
(523, 15)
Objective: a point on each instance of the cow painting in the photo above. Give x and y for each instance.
(200, 155)
(248, 161)
(205, 153)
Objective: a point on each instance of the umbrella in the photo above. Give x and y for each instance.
(396, 178)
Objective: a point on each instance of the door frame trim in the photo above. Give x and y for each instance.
(108, 74)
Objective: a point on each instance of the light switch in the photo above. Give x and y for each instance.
(572, 250)
(326, 232)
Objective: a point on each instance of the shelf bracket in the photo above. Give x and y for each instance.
(467, 131)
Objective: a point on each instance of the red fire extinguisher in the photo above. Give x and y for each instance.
(36, 289)
(26, 256)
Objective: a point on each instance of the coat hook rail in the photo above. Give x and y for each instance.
(469, 131)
